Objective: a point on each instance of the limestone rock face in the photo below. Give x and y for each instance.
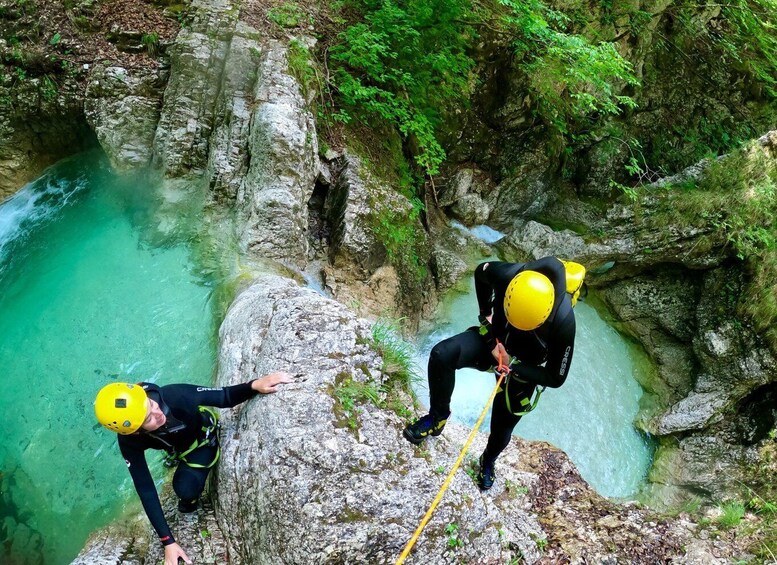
(272, 199)
(197, 63)
(525, 192)
(358, 260)
(448, 268)
(123, 109)
(349, 211)
(532, 240)
(132, 541)
(464, 196)
(37, 128)
(229, 155)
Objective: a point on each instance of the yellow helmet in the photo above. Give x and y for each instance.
(575, 277)
(528, 300)
(121, 407)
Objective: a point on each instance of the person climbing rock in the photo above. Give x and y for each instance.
(527, 327)
(180, 420)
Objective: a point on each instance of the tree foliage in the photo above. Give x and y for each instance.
(408, 63)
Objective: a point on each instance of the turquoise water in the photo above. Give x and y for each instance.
(590, 417)
(85, 299)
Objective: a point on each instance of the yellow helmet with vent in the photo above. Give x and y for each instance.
(121, 407)
(528, 300)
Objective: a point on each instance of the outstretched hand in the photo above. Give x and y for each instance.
(173, 552)
(269, 383)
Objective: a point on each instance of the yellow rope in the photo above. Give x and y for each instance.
(448, 479)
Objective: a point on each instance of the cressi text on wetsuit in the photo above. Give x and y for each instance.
(185, 422)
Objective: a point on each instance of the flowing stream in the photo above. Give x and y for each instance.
(85, 299)
(590, 417)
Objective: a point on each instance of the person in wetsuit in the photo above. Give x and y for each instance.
(175, 418)
(525, 316)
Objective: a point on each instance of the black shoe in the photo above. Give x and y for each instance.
(187, 506)
(486, 475)
(419, 430)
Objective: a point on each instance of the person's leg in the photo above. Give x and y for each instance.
(189, 482)
(467, 349)
(503, 423)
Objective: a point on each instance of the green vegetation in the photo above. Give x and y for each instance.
(717, 46)
(150, 42)
(390, 392)
(349, 393)
(301, 67)
(732, 513)
(397, 355)
(454, 540)
(287, 15)
(403, 63)
(515, 490)
(736, 203)
(763, 501)
(541, 543)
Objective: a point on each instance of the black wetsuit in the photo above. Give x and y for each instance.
(184, 426)
(551, 344)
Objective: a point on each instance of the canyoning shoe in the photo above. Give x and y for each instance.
(486, 475)
(419, 430)
(187, 506)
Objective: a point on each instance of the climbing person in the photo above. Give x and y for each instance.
(527, 330)
(178, 419)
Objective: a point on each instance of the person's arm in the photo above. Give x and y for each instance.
(144, 485)
(560, 350)
(229, 396)
(489, 276)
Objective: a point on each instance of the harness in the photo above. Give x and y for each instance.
(525, 401)
(210, 438)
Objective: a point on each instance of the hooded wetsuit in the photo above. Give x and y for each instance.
(181, 404)
(544, 354)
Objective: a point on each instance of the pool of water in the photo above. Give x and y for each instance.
(86, 298)
(590, 417)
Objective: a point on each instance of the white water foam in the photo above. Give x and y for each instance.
(36, 202)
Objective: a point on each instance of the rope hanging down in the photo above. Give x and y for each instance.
(503, 370)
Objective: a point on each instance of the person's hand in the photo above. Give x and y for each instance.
(500, 355)
(269, 383)
(173, 553)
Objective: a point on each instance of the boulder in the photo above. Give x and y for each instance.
(273, 196)
(123, 109)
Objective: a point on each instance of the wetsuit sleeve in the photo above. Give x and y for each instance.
(222, 397)
(560, 350)
(488, 277)
(144, 485)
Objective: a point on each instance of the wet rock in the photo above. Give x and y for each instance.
(463, 196)
(693, 412)
(272, 199)
(470, 210)
(132, 541)
(448, 269)
(229, 152)
(197, 63)
(123, 109)
(533, 240)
